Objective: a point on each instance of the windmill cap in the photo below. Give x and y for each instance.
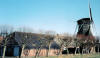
(84, 21)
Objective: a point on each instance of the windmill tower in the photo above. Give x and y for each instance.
(84, 26)
(85, 34)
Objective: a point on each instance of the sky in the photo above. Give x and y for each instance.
(56, 15)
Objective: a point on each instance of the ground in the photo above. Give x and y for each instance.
(97, 55)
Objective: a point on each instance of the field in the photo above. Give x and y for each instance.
(67, 56)
(75, 56)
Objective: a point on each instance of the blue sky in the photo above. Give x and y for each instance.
(56, 15)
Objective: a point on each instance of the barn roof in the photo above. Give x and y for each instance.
(30, 40)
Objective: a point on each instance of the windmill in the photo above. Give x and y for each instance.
(84, 34)
(84, 26)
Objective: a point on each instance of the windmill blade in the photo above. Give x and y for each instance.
(90, 13)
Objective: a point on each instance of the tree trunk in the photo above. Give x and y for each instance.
(75, 50)
(82, 51)
(4, 51)
(59, 52)
(48, 50)
(36, 53)
(67, 51)
(88, 51)
(79, 50)
(39, 52)
(93, 50)
(98, 48)
(23, 46)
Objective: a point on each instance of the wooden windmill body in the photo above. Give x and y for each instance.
(85, 35)
(84, 27)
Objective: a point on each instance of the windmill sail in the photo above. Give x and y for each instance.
(90, 13)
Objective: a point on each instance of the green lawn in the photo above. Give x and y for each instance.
(67, 56)
(75, 56)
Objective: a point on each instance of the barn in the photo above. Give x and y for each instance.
(31, 42)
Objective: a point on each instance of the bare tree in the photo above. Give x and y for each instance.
(41, 42)
(59, 40)
(67, 40)
(49, 42)
(63, 41)
(97, 43)
(86, 44)
(77, 43)
(24, 34)
(49, 36)
(44, 40)
(5, 30)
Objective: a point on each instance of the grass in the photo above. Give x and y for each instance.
(97, 55)
(75, 56)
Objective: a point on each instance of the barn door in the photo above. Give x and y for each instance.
(16, 51)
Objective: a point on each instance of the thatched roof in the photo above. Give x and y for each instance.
(30, 40)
